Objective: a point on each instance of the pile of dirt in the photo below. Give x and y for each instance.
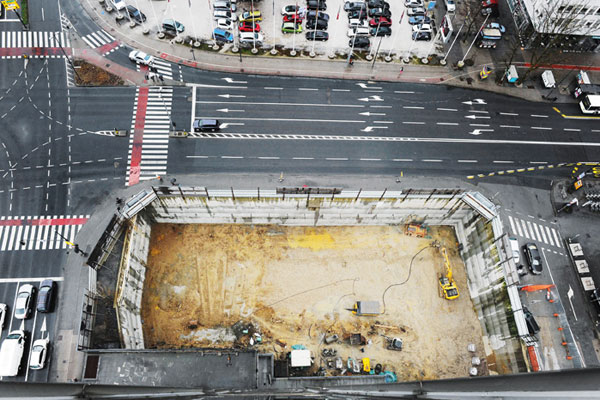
(272, 287)
(90, 75)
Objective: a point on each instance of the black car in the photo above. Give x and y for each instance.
(319, 24)
(426, 36)
(380, 12)
(317, 35)
(532, 325)
(357, 14)
(136, 14)
(532, 254)
(45, 300)
(382, 31)
(204, 125)
(376, 3)
(313, 15)
(360, 42)
(316, 5)
(351, 6)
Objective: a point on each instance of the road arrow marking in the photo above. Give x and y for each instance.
(368, 114)
(227, 96)
(371, 98)
(370, 128)
(226, 124)
(477, 116)
(229, 80)
(478, 132)
(22, 328)
(475, 101)
(228, 110)
(364, 86)
(43, 328)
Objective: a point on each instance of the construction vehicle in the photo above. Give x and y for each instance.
(449, 289)
(393, 343)
(366, 308)
(416, 229)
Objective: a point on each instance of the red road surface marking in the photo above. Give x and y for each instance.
(43, 222)
(138, 136)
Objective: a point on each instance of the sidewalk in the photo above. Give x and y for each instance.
(362, 70)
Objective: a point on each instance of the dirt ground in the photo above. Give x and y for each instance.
(293, 285)
(90, 75)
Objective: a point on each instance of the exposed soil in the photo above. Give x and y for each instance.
(90, 75)
(294, 285)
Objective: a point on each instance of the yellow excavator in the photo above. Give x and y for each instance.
(449, 289)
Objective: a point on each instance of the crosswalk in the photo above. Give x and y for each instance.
(149, 143)
(534, 231)
(33, 39)
(102, 40)
(164, 68)
(39, 232)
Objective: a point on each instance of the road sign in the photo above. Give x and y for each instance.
(10, 4)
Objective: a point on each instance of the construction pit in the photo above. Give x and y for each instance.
(270, 287)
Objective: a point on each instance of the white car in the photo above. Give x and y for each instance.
(118, 4)
(514, 247)
(225, 14)
(39, 354)
(139, 57)
(357, 22)
(24, 304)
(423, 28)
(3, 312)
(358, 30)
(251, 37)
(450, 5)
(225, 24)
(290, 10)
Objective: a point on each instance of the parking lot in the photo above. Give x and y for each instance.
(197, 18)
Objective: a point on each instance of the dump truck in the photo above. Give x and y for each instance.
(366, 308)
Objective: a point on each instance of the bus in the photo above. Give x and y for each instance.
(590, 104)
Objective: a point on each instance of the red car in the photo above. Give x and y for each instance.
(290, 18)
(249, 27)
(384, 21)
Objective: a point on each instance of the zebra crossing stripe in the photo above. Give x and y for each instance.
(550, 237)
(556, 236)
(543, 234)
(38, 233)
(512, 224)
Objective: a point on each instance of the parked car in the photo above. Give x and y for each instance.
(39, 354)
(224, 5)
(353, 6)
(135, 14)
(380, 12)
(419, 19)
(415, 11)
(3, 312)
(225, 24)
(206, 125)
(298, 18)
(173, 26)
(11, 353)
(224, 14)
(318, 24)
(381, 21)
(251, 16)
(249, 27)
(422, 28)
(317, 35)
(381, 31)
(532, 254)
(426, 36)
(313, 15)
(290, 27)
(532, 325)
(139, 57)
(290, 10)
(357, 22)
(24, 304)
(360, 42)
(495, 25)
(358, 14)
(222, 36)
(253, 38)
(316, 5)
(413, 3)
(117, 4)
(376, 3)
(450, 5)
(358, 30)
(514, 248)
(46, 295)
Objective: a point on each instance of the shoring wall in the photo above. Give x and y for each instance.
(480, 239)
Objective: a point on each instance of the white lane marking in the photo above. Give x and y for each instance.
(479, 111)
(308, 89)
(538, 162)
(383, 122)
(510, 126)
(340, 90)
(503, 162)
(543, 128)
(303, 158)
(403, 159)
(380, 106)
(232, 157)
(197, 156)
(467, 161)
(572, 129)
(482, 125)
(272, 88)
(268, 158)
(413, 107)
(539, 116)
(336, 159)
(447, 109)
(512, 114)
(431, 160)
(281, 104)
(289, 119)
(413, 123)
(370, 159)
(447, 123)
(403, 91)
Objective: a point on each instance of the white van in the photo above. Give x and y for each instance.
(514, 247)
(11, 353)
